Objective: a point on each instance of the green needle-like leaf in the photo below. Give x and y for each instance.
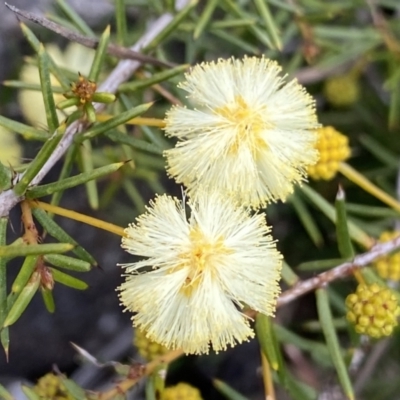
(120, 19)
(55, 230)
(31, 86)
(288, 275)
(23, 299)
(103, 97)
(149, 390)
(332, 341)
(267, 340)
(34, 249)
(47, 92)
(320, 264)
(318, 351)
(30, 393)
(68, 280)
(135, 195)
(306, 219)
(74, 389)
(26, 131)
(86, 163)
(172, 26)
(38, 162)
(270, 26)
(54, 69)
(235, 9)
(24, 274)
(5, 177)
(73, 264)
(75, 18)
(3, 287)
(65, 172)
(100, 55)
(4, 394)
(73, 101)
(394, 110)
(355, 232)
(156, 78)
(135, 143)
(236, 41)
(205, 18)
(228, 391)
(44, 190)
(120, 119)
(382, 153)
(48, 300)
(342, 231)
(371, 211)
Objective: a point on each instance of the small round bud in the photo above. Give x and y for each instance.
(373, 309)
(148, 349)
(343, 90)
(388, 267)
(50, 387)
(181, 391)
(333, 148)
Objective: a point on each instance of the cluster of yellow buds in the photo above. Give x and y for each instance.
(181, 391)
(333, 148)
(50, 387)
(388, 267)
(342, 90)
(373, 309)
(148, 349)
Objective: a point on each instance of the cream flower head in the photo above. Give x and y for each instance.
(251, 137)
(202, 271)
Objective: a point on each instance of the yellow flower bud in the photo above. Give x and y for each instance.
(148, 349)
(343, 90)
(333, 148)
(50, 387)
(388, 267)
(182, 391)
(373, 309)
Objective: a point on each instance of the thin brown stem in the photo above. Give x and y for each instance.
(123, 386)
(341, 271)
(114, 50)
(31, 234)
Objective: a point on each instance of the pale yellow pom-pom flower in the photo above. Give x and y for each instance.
(251, 136)
(198, 272)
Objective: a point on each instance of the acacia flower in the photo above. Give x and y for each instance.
(198, 272)
(252, 135)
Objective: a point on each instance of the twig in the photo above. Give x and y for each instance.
(121, 73)
(340, 271)
(123, 386)
(117, 51)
